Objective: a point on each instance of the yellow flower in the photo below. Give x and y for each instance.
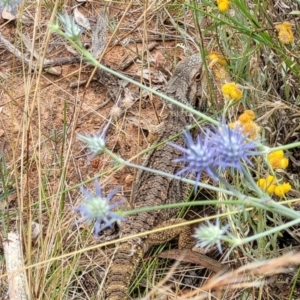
(285, 34)
(216, 58)
(217, 63)
(223, 5)
(250, 114)
(276, 154)
(285, 37)
(252, 130)
(271, 189)
(277, 160)
(270, 179)
(247, 116)
(267, 184)
(220, 72)
(284, 162)
(284, 26)
(244, 119)
(231, 91)
(283, 189)
(262, 183)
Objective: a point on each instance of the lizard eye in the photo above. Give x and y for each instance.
(198, 77)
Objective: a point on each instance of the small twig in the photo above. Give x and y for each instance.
(47, 62)
(76, 84)
(96, 108)
(130, 60)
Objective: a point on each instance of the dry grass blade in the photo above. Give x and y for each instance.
(251, 275)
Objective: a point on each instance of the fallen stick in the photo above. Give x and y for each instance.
(17, 282)
(47, 62)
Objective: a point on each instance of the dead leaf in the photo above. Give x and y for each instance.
(144, 73)
(159, 61)
(28, 45)
(156, 76)
(36, 230)
(129, 179)
(6, 15)
(71, 49)
(99, 35)
(54, 71)
(145, 124)
(81, 19)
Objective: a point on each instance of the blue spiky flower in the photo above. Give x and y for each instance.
(97, 209)
(199, 156)
(95, 142)
(9, 5)
(232, 147)
(219, 148)
(71, 29)
(210, 235)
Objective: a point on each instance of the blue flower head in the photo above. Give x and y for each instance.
(199, 156)
(95, 142)
(232, 147)
(97, 209)
(220, 148)
(211, 234)
(71, 29)
(9, 5)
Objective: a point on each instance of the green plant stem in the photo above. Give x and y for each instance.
(95, 62)
(238, 242)
(158, 172)
(285, 147)
(267, 203)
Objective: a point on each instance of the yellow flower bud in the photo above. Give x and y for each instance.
(283, 189)
(223, 5)
(231, 91)
(262, 183)
(277, 160)
(250, 114)
(267, 184)
(276, 154)
(244, 119)
(271, 189)
(284, 162)
(285, 34)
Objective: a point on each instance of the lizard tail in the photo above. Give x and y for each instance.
(124, 263)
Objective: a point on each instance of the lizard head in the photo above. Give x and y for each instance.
(185, 84)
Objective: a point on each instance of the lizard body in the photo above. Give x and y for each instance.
(152, 189)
